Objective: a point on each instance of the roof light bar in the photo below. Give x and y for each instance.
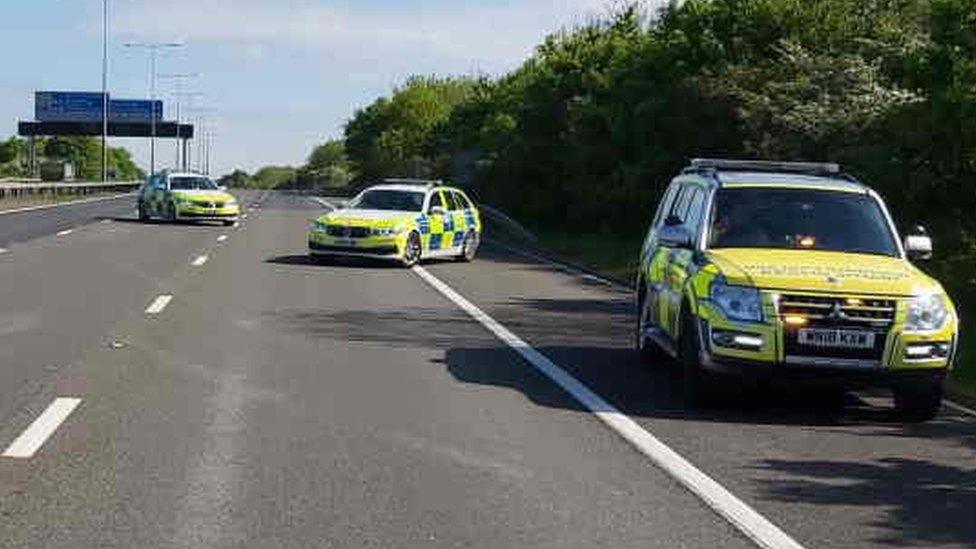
(407, 181)
(699, 164)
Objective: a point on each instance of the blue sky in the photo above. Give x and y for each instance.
(276, 76)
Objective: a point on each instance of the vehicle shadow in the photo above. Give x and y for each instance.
(921, 502)
(332, 261)
(133, 220)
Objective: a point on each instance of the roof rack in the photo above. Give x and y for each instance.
(408, 181)
(808, 168)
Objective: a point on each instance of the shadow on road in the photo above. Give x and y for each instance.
(923, 502)
(332, 261)
(133, 220)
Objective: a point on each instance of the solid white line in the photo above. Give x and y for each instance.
(59, 205)
(31, 440)
(4, 251)
(755, 526)
(222, 238)
(159, 304)
(959, 408)
(200, 261)
(65, 232)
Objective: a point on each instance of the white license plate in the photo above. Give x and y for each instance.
(837, 339)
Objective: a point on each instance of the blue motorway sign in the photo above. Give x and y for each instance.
(52, 106)
(134, 110)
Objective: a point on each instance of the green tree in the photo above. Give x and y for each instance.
(327, 166)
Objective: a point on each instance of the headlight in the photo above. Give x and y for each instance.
(230, 202)
(926, 313)
(737, 302)
(319, 227)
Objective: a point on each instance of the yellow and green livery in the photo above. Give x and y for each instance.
(186, 196)
(791, 270)
(403, 220)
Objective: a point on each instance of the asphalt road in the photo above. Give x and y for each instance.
(276, 402)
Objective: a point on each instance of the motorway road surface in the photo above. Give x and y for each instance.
(268, 401)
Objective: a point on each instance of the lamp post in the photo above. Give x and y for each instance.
(104, 91)
(153, 49)
(180, 94)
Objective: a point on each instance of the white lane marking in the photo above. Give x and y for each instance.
(561, 266)
(222, 238)
(65, 232)
(755, 526)
(959, 408)
(4, 251)
(159, 304)
(71, 203)
(200, 261)
(31, 440)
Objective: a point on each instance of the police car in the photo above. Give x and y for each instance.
(186, 196)
(770, 269)
(403, 220)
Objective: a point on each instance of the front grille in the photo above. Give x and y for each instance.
(840, 312)
(831, 311)
(347, 232)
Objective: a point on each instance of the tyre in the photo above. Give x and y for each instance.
(699, 384)
(228, 222)
(412, 250)
(143, 212)
(470, 247)
(648, 351)
(919, 397)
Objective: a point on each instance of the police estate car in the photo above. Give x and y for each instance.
(186, 196)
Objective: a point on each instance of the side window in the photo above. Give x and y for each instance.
(663, 206)
(696, 211)
(435, 201)
(452, 202)
(678, 207)
(462, 202)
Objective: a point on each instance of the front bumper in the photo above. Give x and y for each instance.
(372, 247)
(226, 213)
(776, 357)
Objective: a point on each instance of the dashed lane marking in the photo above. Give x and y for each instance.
(65, 232)
(200, 261)
(31, 440)
(222, 238)
(159, 304)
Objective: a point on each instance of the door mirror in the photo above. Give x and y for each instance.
(918, 244)
(437, 210)
(675, 236)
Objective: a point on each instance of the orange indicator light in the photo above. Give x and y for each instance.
(807, 242)
(855, 301)
(794, 320)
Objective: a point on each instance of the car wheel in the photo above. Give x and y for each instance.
(412, 250)
(470, 247)
(143, 212)
(699, 384)
(228, 222)
(919, 397)
(170, 212)
(649, 352)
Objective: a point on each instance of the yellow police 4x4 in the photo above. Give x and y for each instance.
(759, 268)
(404, 220)
(189, 196)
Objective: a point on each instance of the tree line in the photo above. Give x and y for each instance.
(84, 153)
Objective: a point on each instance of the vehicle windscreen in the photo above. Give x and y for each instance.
(192, 184)
(404, 201)
(800, 219)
